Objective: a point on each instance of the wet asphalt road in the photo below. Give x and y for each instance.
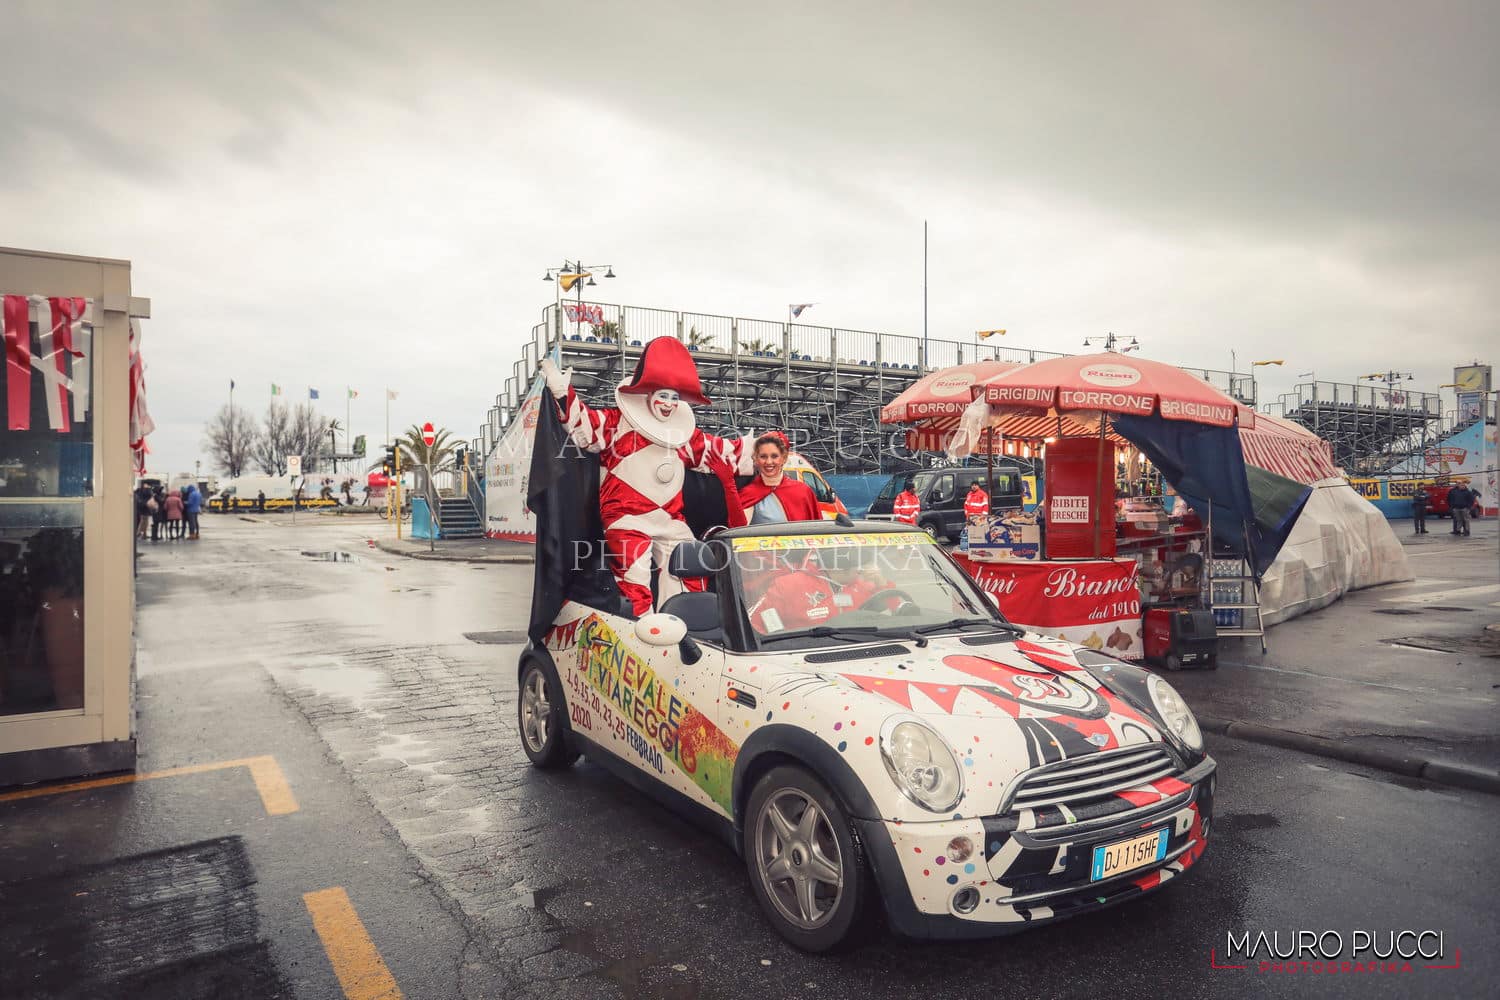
(568, 884)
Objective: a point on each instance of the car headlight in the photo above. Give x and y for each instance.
(1175, 713)
(921, 764)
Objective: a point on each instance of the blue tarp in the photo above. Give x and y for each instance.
(1205, 465)
(857, 491)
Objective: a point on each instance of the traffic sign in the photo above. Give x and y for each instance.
(294, 465)
(428, 434)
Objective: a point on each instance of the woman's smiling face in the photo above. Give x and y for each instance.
(769, 459)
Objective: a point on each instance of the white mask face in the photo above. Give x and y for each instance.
(664, 403)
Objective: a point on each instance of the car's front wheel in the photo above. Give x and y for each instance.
(804, 866)
(541, 711)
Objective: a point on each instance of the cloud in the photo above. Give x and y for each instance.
(368, 196)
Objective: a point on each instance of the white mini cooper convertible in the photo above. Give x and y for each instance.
(857, 718)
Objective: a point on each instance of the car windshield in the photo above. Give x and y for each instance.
(838, 587)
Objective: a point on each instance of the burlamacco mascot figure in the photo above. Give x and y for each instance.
(645, 445)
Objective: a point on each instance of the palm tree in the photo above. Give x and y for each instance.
(702, 340)
(415, 452)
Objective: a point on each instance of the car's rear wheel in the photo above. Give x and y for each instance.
(541, 713)
(804, 866)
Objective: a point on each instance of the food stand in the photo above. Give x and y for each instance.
(1099, 559)
(1089, 600)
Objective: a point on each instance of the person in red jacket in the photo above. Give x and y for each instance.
(977, 503)
(796, 598)
(772, 495)
(826, 584)
(907, 506)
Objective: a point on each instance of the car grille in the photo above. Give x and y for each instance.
(1072, 783)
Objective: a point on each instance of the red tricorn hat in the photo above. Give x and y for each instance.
(666, 364)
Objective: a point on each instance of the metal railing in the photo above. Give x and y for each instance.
(423, 484)
(1367, 397)
(473, 491)
(629, 328)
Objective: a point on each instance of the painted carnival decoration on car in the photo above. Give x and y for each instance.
(985, 779)
(622, 700)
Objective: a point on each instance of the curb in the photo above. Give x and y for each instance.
(441, 556)
(1436, 770)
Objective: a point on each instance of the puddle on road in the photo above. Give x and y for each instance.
(502, 638)
(404, 747)
(332, 556)
(358, 684)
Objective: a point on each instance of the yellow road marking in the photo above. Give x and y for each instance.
(275, 794)
(356, 961)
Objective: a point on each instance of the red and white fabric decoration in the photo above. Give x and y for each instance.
(17, 362)
(141, 423)
(59, 354)
(593, 315)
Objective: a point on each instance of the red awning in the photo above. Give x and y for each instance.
(944, 394)
(1112, 383)
(1288, 449)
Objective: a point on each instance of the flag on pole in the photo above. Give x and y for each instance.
(570, 279)
(231, 385)
(275, 389)
(987, 334)
(353, 394)
(391, 394)
(797, 308)
(312, 393)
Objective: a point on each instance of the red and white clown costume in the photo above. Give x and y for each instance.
(645, 445)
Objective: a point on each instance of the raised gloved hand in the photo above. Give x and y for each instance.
(557, 381)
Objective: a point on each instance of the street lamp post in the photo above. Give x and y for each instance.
(1111, 342)
(572, 273)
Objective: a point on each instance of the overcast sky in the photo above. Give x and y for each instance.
(368, 196)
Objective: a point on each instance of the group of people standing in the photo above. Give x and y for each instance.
(1462, 501)
(170, 514)
(908, 506)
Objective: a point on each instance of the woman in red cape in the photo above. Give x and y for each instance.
(772, 487)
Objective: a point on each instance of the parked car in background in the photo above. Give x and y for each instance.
(829, 504)
(941, 493)
(1437, 499)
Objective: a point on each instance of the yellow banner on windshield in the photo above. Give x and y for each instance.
(778, 542)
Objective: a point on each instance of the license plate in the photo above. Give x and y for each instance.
(1128, 855)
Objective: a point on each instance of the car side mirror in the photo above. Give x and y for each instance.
(657, 629)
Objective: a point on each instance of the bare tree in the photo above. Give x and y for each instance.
(307, 435)
(274, 442)
(230, 437)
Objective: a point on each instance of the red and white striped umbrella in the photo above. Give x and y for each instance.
(935, 404)
(1093, 384)
(936, 401)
